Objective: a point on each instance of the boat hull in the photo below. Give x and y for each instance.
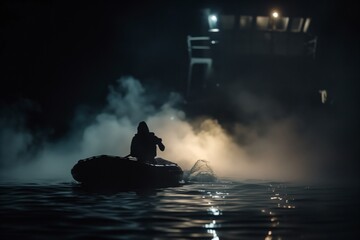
(126, 172)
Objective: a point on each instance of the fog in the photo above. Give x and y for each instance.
(269, 148)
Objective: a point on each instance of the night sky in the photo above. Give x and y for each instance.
(59, 55)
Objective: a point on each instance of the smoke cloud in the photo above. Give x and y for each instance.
(270, 148)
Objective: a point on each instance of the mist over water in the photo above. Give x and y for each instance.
(267, 149)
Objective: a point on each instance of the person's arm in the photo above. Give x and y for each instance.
(160, 144)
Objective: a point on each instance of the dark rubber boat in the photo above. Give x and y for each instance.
(105, 170)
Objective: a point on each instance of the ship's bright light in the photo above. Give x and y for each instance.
(213, 18)
(275, 14)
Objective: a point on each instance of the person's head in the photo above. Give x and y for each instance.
(143, 128)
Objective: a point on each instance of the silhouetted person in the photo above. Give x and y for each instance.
(143, 144)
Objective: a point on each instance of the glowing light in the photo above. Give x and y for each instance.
(323, 94)
(213, 26)
(214, 211)
(211, 225)
(213, 232)
(213, 18)
(275, 14)
(269, 236)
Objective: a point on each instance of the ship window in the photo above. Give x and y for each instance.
(307, 24)
(262, 23)
(245, 22)
(296, 24)
(280, 24)
(227, 22)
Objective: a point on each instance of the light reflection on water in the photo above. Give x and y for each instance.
(225, 210)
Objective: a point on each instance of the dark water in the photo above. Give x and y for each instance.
(226, 210)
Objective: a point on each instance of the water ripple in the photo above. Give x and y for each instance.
(225, 210)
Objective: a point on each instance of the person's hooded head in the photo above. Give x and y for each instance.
(143, 128)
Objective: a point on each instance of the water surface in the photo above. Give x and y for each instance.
(224, 210)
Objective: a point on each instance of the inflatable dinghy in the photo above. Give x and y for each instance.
(126, 172)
